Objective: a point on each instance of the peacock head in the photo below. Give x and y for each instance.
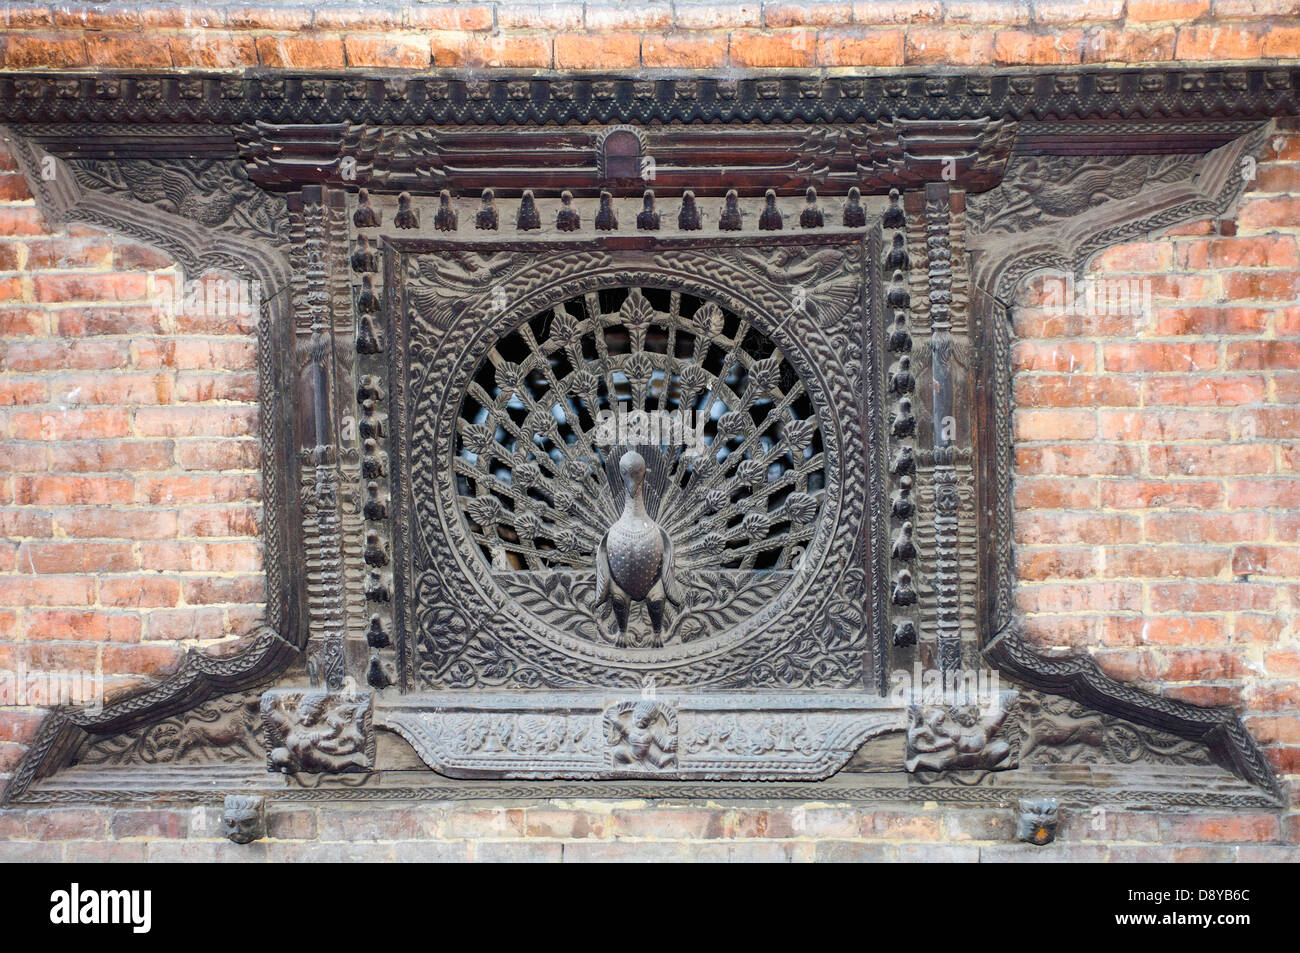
(632, 468)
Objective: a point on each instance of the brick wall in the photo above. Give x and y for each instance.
(1157, 459)
(653, 34)
(592, 831)
(130, 482)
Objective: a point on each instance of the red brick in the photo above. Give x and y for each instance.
(196, 421)
(79, 557)
(449, 17)
(1210, 391)
(97, 456)
(1080, 597)
(187, 556)
(156, 660)
(1160, 357)
(1157, 562)
(208, 454)
(1204, 527)
(1276, 251)
(1040, 565)
(1162, 425)
(46, 590)
(1062, 357)
(388, 51)
(1227, 42)
(1098, 459)
(1107, 45)
(781, 48)
(1225, 828)
(1065, 528)
(510, 51)
(266, 17)
(648, 16)
(1076, 390)
(1055, 494)
(1263, 355)
(683, 51)
(183, 624)
(168, 490)
(1210, 459)
(305, 51)
(1032, 425)
(1269, 423)
(1028, 48)
(127, 51)
(1145, 11)
(77, 355)
(933, 46)
(139, 591)
(90, 523)
(69, 424)
(223, 522)
(74, 287)
(19, 51)
(579, 51)
(65, 254)
(717, 16)
(1207, 321)
(1264, 493)
(539, 16)
(1161, 494)
(210, 49)
(1282, 211)
(81, 626)
(214, 591)
(860, 48)
(1212, 597)
(1255, 286)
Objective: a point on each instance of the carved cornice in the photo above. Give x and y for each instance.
(708, 134)
(456, 98)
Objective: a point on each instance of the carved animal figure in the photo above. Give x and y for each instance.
(634, 562)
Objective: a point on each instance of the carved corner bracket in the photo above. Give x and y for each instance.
(1057, 214)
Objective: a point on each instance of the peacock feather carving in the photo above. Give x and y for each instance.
(737, 486)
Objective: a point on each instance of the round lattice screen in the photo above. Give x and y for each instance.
(733, 453)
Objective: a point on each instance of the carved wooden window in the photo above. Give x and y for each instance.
(462, 275)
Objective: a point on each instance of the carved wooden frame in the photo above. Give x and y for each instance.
(915, 121)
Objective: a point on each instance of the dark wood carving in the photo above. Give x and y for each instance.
(460, 274)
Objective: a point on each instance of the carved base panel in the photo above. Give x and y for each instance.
(592, 735)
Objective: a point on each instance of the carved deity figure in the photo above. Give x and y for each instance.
(634, 562)
(956, 738)
(321, 733)
(641, 735)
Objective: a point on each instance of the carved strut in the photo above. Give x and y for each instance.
(634, 562)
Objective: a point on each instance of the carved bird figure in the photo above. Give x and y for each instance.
(634, 561)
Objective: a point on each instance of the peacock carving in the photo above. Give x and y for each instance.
(631, 440)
